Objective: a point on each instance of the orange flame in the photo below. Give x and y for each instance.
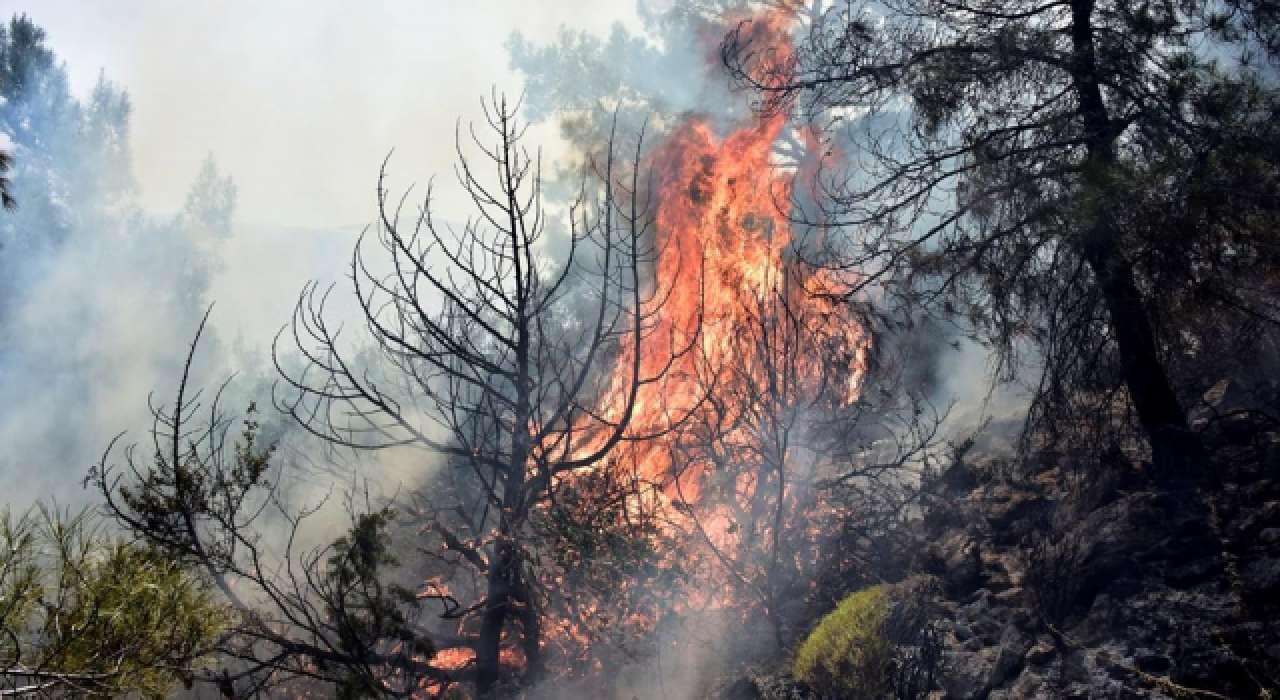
(723, 245)
(725, 262)
(723, 237)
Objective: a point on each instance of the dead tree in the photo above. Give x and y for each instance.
(493, 356)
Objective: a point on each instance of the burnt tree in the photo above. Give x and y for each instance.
(6, 185)
(495, 357)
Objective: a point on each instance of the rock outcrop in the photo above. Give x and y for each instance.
(1085, 581)
(1083, 577)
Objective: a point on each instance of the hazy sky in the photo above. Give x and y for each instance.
(299, 100)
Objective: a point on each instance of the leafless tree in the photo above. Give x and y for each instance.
(496, 358)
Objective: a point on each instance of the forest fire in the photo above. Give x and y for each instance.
(738, 416)
(919, 349)
(724, 247)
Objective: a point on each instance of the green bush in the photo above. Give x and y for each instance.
(848, 654)
(85, 616)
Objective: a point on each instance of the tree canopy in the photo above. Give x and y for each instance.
(1049, 172)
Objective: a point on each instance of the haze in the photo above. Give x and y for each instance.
(299, 100)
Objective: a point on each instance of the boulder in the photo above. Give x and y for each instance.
(967, 673)
(1013, 506)
(1228, 396)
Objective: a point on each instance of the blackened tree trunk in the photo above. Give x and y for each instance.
(492, 623)
(1175, 449)
(1173, 446)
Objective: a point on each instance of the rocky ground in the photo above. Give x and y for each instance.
(1070, 579)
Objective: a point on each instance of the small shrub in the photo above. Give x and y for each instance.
(848, 655)
(1053, 562)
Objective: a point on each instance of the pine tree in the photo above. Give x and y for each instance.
(1010, 162)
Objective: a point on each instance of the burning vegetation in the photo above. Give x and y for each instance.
(654, 432)
(686, 415)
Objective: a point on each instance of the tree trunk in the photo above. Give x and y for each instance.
(497, 604)
(509, 597)
(531, 631)
(1175, 449)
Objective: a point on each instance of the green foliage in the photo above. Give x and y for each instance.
(7, 200)
(178, 494)
(24, 58)
(141, 609)
(848, 655)
(82, 615)
(365, 609)
(369, 608)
